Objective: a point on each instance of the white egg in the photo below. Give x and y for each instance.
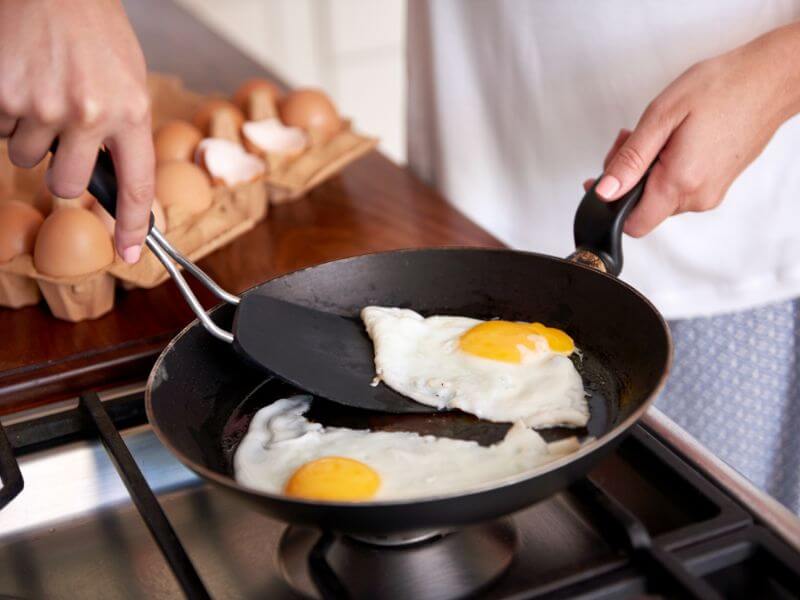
(422, 358)
(280, 440)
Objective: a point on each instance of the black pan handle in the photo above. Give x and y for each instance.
(598, 227)
(103, 183)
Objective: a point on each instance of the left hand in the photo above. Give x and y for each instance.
(704, 129)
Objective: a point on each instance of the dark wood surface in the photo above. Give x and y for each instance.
(373, 205)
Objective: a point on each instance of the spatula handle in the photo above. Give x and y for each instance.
(103, 182)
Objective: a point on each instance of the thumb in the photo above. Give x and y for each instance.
(627, 166)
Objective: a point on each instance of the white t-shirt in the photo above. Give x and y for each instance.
(512, 104)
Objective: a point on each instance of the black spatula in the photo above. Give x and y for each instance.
(325, 354)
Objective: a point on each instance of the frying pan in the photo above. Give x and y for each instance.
(201, 394)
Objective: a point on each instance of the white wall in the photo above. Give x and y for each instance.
(354, 49)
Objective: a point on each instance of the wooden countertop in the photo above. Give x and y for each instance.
(373, 205)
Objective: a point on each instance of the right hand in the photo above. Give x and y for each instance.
(75, 70)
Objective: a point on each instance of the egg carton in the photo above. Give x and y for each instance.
(69, 298)
(288, 177)
(291, 180)
(233, 211)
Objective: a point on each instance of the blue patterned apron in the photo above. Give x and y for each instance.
(735, 386)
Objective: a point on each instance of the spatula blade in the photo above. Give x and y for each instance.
(327, 355)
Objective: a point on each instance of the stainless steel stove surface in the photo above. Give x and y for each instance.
(649, 521)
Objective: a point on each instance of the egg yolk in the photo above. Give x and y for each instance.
(500, 340)
(333, 478)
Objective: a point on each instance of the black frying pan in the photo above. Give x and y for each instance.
(201, 394)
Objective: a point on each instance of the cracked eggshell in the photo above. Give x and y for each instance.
(183, 190)
(19, 224)
(71, 242)
(176, 140)
(258, 99)
(228, 163)
(270, 136)
(311, 110)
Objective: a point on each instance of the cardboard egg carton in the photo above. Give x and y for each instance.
(233, 211)
(290, 179)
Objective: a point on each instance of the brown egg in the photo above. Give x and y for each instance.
(258, 98)
(72, 241)
(108, 221)
(220, 111)
(176, 140)
(19, 224)
(183, 189)
(311, 110)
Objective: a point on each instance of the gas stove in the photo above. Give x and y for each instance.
(107, 512)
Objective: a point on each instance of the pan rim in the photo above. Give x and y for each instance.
(584, 450)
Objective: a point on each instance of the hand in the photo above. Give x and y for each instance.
(75, 70)
(704, 129)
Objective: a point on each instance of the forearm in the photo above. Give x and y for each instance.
(773, 60)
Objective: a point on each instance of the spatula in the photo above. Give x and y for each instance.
(327, 355)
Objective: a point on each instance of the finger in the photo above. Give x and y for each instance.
(660, 200)
(134, 163)
(632, 159)
(30, 143)
(71, 167)
(7, 125)
(622, 136)
(587, 185)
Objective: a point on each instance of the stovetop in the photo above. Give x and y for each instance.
(648, 521)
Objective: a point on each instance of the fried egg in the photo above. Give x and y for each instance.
(500, 371)
(285, 453)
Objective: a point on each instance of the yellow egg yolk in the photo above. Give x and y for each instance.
(333, 478)
(500, 340)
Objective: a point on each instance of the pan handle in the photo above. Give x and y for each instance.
(103, 186)
(598, 228)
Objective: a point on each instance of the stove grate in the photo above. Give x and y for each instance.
(658, 557)
(621, 528)
(10, 474)
(144, 499)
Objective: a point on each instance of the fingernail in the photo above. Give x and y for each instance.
(131, 254)
(607, 187)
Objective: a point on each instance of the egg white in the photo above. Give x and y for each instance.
(420, 358)
(280, 440)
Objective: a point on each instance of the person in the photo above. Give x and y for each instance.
(511, 103)
(74, 70)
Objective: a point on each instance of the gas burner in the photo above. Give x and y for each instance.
(441, 566)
